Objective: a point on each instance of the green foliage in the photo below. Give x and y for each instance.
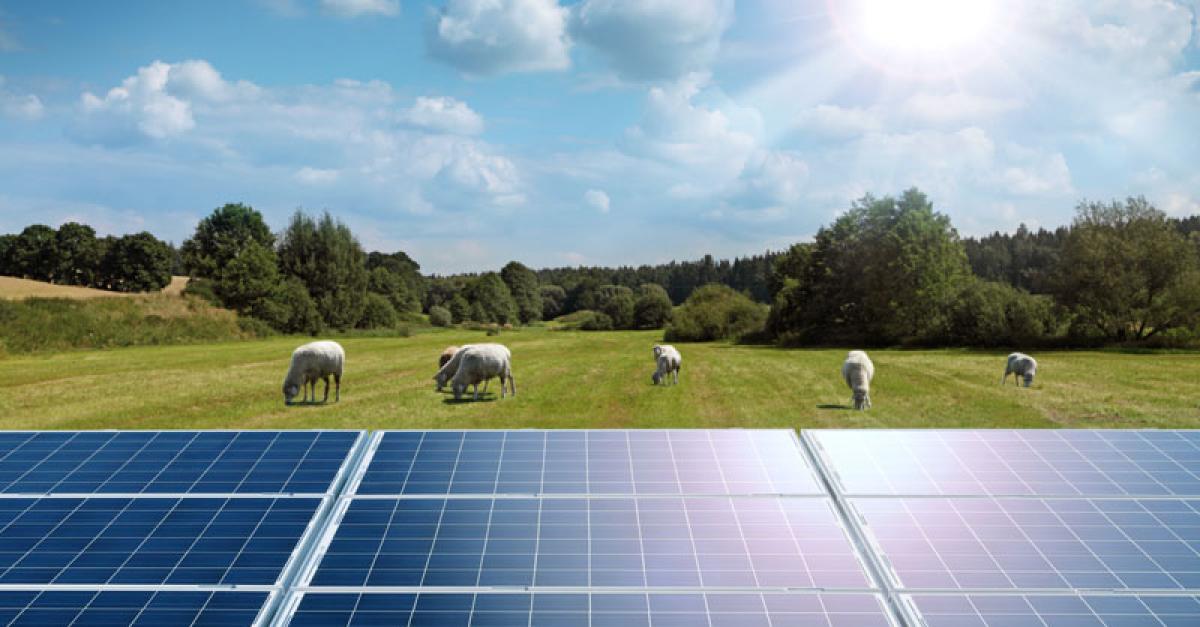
(440, 316)
(33, 253)
(291, 309)
(247, 277)
(378, 313)
(553, 298)
(1127, 273)
(460, 309)
(221, 236)
(991, 314)
(616, 302)
(715, 312)
(490, 300)
(79, 254)
(203, 289)
(523, 285)
(327, 258)
(397, 277)
(652, 309)
(597, 321)
(137, 263)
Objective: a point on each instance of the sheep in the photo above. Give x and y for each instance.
(447, 369)
(858, 371)
(310, 362)
(481, 362)
(668, 361)
(447, 354)
(1020, 365)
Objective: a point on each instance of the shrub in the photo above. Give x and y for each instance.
(987, 313)
(378, 313)
(440, 316)
(715, 312)
(597, 322)
(653, 307)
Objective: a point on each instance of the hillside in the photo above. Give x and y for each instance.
(12, 288)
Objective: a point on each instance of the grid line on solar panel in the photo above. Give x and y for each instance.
(198, 541)
(173, 462)
(564, 542)
(1034, 544)
(626, 462)
(587, 609)
(1056, 610)
(1044, 462)
(132, 607)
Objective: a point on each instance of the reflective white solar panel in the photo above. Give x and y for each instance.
(1072, 610)
(647, 542)
(685, 462)
(1035, 544)
(131, 607)
(175, 462)
(1011, 463)
(589, 610)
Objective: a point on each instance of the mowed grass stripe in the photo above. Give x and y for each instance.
(591, 380)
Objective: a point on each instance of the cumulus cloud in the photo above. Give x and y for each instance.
(488, 37)
(444, 114)
(771, 182)
(20, 105)
(653, 39)
(1140, 36)
(597, 199)
(839, 122)
(957, 107)
(358, 8)
(316, 176)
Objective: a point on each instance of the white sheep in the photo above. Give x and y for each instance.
(312, 362)
(1020, 365)
(858, 371)
(667, 361)
(480, 362)
(447, 354)
(450, 366)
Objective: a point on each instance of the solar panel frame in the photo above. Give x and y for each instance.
(1049, 610)
(486, 477)
(133, 605)
(830, 564)
(54, 555)
(564, 609)
(95, 450)
(1009, 463)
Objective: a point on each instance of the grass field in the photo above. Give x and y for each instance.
(576, 379)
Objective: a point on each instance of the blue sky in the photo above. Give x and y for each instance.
(472, 132)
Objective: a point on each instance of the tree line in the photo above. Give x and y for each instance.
(72, 254)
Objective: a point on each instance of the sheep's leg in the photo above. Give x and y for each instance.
(676, 376)
(477, 389)
(337, 387)
(325, 399)
(512, 382)
(503, 385)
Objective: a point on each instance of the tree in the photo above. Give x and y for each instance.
(78, 253)
(221, 236)
(7, 265)
(137, 263)
(33, 253)
(247, 278)
(1127, 273)
(652, 309)
(553, 298)
(327, 258)
(405, 288)
(523, 285)
(378, 313)
(460, 309)
(616, 301)
(440, 316)
(490, 300)
(715, 312)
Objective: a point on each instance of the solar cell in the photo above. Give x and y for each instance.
(1073, 610)
(1035, 544)
(129, 607)
(590, 610)
(177, 462)
(647, 542)
(1011, 463)
(150, 540)
(683, 462)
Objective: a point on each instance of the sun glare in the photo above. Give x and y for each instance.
(926, 38)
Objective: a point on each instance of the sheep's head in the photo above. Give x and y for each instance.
(1029, 379)
(860, 399)
(440, 378)
(290, 390)
(656, 377)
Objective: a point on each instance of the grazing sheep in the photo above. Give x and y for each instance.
(450, 366)
(858, 371)
(447, 354)
(479, 363)
(668, 361)
(1020, 365)
(311, 362)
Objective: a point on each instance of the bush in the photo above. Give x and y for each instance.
(653, 307)
(440, 316)
(715, 312)
(993, 314)
(254, 327)
(378, 313)
(204, 289)
(597, 322)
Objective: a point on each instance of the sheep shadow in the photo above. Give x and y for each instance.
(484, 397)
(835, 407)
(307, 403)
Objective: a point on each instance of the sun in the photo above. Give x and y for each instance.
(920, 38)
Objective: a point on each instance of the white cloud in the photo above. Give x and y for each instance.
(487, 37)
(358, 8)
(1039, 174)
(834, 121)
(316, 176)
(200, 81)
(771, 180)
(957, 107)
(444, 115)
(653, 39)
(597, 199)
(1138, 35)
(19, 105)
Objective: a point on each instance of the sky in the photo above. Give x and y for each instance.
(473, 132)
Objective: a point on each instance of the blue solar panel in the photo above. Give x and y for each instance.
(1036, 544)
(127, 607)
(1082, 610)
(591, 610)
(694, 542)
(648, 462)
(1012, 463)
(182, 462)
(149, 541)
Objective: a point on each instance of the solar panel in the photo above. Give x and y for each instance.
(177, 462)
(1035, 544)
(150, 540)
(590, 610)
(1082, 610)
(1011, 463)
(587, 463)
(648, 542)
(130, 607)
